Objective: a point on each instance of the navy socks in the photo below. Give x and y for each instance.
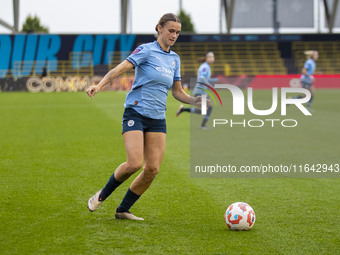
(309, 102)
(111, 185)
(128, 201)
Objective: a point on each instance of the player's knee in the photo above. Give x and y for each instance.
(150, 173)
(134, 166)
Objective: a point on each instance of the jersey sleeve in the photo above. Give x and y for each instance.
(139, 55)
(177, 76)
(204, 72)
(307, 65)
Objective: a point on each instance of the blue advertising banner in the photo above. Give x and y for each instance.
(36, 50)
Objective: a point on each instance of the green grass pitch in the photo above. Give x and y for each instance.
(57, 150)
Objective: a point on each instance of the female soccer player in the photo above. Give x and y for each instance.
(203, 76)
(157, 69)
(307, 77)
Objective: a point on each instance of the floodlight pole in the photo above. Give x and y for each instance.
(14, 28)
(123, 15)
(276, 23)
(6, 25)
(16, 15)
(228, 13)
(330, 17)
(221, 14)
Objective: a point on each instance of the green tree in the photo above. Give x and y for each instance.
(187, 25)
(32, 24)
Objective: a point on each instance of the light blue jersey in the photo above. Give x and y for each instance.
(155, 72)
(310, 67)
(204, 76)
(204, 71)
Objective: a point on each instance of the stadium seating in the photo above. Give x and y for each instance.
(241, 58)
(232, 58)
(329, 55)
(79, 64)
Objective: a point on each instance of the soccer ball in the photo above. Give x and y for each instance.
(239, 216)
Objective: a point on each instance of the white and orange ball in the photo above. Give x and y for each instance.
(239, 216)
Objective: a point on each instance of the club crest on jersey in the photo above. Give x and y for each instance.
(138, 49)
(131, 123)
(173, 63)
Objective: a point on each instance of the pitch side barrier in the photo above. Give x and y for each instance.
(50, 84)
(322, 81)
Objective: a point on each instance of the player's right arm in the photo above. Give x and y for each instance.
(305, 72)
(113, 73)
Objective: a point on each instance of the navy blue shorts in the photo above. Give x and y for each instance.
(132, 120)
(306, 85)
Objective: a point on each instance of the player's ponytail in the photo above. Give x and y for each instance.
(201, 60)
(309, 53)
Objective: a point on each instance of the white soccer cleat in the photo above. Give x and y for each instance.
(126, 216)
(94, 203)
(180, 110)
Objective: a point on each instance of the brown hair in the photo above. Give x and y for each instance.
(201, 60)
(165, 18)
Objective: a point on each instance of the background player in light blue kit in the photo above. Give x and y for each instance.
(203, 76)
(157, 69)
(307, 77)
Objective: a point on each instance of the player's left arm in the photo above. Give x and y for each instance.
(183, 97)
